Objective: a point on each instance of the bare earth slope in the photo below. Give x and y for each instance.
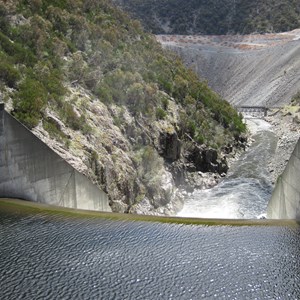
(245, 70)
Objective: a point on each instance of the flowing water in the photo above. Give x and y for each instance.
(245, 192)
(54, 257)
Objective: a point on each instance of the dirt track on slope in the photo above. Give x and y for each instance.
(245, 70)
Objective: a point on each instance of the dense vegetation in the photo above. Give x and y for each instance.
(97, 46)
(215, 16)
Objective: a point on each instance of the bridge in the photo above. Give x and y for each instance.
(253, 110)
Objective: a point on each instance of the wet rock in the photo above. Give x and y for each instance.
(170, 146)
(201, 180)
(223, 166)
(206, 160)
(210, 156)
(228, 149)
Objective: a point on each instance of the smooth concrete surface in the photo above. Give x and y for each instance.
(285, 201)
(30, 170)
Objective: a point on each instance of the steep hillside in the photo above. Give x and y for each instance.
(246, 70)
(104, 95)
(215, 16)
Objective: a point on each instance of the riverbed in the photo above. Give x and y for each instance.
(245, 192)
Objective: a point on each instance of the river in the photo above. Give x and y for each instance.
(245, 192)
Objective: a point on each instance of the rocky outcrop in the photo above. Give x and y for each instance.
(116, 158)
(206, 160)
(170, 146)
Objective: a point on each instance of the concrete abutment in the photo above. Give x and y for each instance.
(30, 170)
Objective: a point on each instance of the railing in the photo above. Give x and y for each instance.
(253, 109)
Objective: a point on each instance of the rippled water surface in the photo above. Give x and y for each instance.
(245, 192)
(46, 257)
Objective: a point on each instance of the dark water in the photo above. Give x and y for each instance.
(46, 257)
(245, 193)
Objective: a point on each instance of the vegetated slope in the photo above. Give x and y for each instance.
(104, 95)
(215, 16)
(245, 70)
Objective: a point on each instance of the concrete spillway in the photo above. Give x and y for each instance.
(285, 201)
(30, 170)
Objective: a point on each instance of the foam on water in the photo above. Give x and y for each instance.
(245, 192)
(256, 124)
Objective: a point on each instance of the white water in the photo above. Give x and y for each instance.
(245, 192)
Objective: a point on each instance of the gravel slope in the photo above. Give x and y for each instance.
(245, 70)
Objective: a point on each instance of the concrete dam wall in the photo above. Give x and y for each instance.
(30, 170)
(285, 201)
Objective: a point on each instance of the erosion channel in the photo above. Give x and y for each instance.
(245, 192)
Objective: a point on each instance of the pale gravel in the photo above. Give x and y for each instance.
(288, 132)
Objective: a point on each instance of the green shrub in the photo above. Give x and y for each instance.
(103, 92)
(15, 50)
(200, 139)
(4, 22)
(9, 74)
(54, 130)
(73, 120)
(29, 102)
(160, 113)
(165, 103)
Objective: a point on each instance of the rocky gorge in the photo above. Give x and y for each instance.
(103, 94)
(165, 170)
(251, 70)
(128, 114)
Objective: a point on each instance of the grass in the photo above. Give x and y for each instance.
(25, 207)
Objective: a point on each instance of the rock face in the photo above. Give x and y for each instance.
(170, 146)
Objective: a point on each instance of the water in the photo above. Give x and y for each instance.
(43, 257)
(245, 193)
